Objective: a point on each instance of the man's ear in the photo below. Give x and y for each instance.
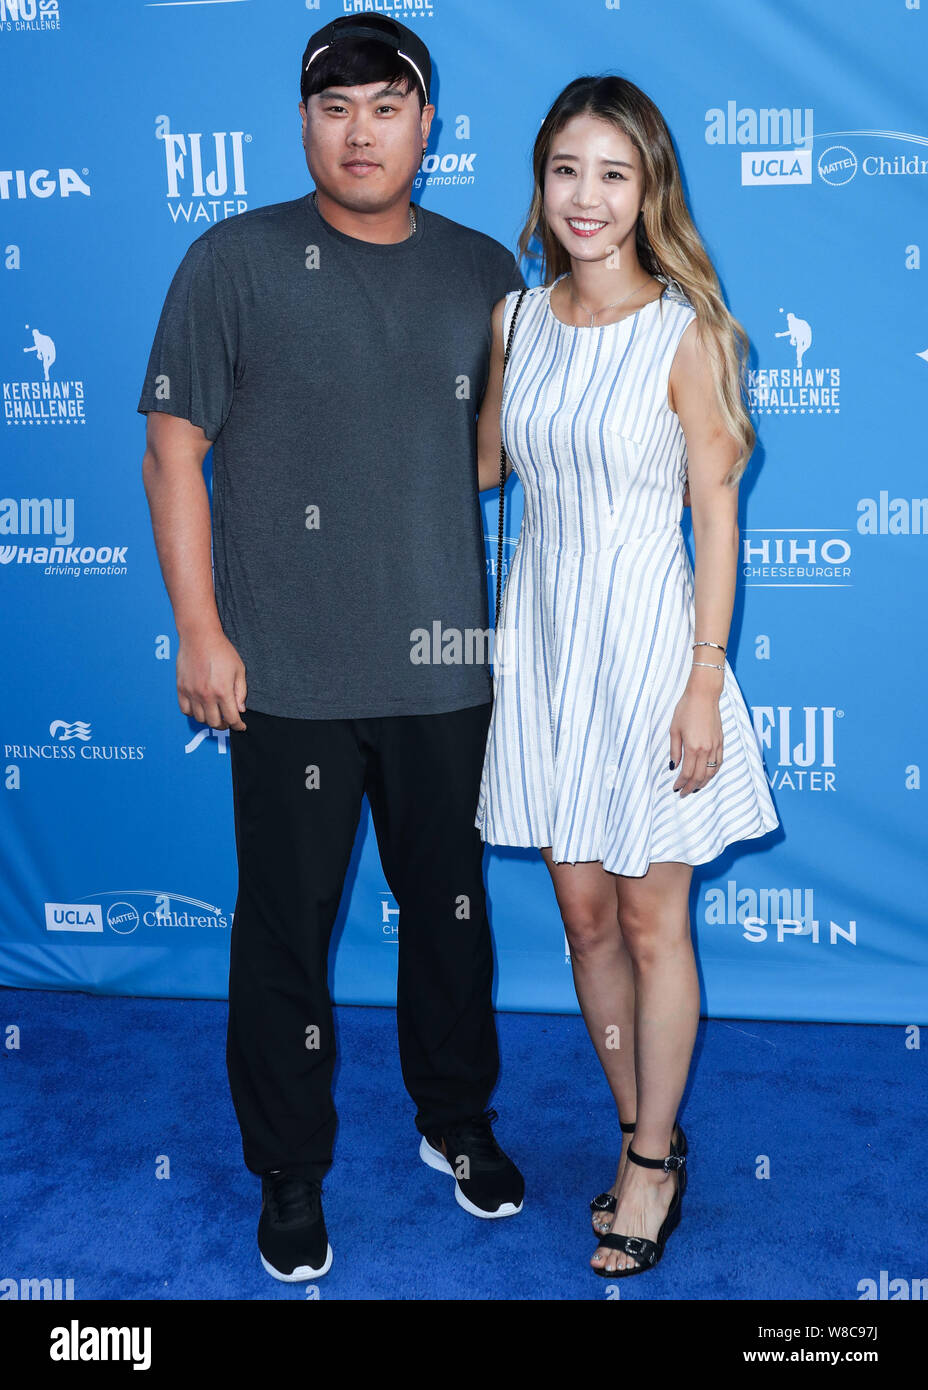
(426, 122)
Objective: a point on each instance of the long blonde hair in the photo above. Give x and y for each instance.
(667, 242)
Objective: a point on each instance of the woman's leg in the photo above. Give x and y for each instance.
(654, 911)
(602, 970)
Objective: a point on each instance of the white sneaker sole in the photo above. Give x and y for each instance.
(435, 1159)
(302, 1272)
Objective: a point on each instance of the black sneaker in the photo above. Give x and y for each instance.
(292, 1239)
(486, 1182)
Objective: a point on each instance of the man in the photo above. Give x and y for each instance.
(332, 350)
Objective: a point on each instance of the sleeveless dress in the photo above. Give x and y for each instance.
(593, 649)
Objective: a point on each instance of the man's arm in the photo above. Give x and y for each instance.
(211, 685)
(488, 426)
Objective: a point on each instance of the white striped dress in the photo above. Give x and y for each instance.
(593, 651)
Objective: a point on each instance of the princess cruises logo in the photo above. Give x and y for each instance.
(72, 741)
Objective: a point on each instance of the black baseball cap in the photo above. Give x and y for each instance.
(403, 41)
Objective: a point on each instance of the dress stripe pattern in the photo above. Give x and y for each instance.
(593, 650)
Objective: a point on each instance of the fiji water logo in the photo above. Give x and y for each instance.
(800, 743)
(771, 132)
(491, 546)
(205, 173)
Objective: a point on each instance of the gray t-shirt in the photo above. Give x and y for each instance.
(339, 381)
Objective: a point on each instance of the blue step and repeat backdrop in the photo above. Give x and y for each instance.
(802, 129)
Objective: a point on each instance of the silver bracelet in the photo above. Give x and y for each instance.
(709, 644)
(710, 664)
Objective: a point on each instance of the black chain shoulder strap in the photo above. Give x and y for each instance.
(502, 466)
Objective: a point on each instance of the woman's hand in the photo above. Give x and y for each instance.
(696, 736)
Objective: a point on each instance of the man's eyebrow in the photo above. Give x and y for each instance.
(576, 159)
(331, 94)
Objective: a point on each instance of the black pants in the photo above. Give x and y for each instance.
(294, 832)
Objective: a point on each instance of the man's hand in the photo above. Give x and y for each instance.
(211, 685)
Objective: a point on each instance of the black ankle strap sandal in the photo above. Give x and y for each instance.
(606, 1201)
(647, 1252)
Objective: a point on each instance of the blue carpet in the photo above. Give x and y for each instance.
(100, 1087)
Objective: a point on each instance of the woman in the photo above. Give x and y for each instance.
(614, 702)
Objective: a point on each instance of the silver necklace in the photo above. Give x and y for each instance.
(412, 213)
(593, 312)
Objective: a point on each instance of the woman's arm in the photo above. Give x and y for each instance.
(696, 731)
(488, 441)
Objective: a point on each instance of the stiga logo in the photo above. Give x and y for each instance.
(799, 387)
(45, 399)
(772, 914)
(764, 128)
(42, 183)
(205, 174)
(29, 16)
(802, 743)
(812, 559)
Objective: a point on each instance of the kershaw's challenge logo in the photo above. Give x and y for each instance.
(29, 16)
(799, 388)
(43, 399)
